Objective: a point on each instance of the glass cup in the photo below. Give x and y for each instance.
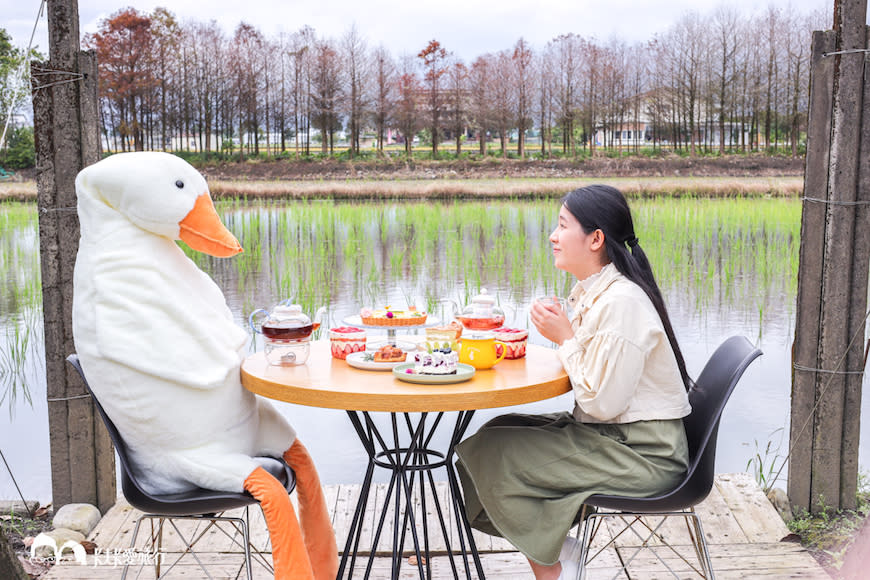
(553, 301)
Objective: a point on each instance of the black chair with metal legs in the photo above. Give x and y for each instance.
(708, 398)
(202, 505)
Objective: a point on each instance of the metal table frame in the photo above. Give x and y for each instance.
(416, 457)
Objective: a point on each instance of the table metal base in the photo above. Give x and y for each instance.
(411, 459)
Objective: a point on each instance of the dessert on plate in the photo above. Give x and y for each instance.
(451, 331)
(389, 353)
(437, 362)
(386, 316)
(444, 336)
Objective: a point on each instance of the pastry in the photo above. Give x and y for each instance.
(388, 317)
(447, 332)
(388, 353)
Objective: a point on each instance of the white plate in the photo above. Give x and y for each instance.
(358, 361)
(464, 372)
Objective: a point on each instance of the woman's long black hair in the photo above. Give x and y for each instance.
(602, 207)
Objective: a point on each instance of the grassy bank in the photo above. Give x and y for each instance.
(520, 187)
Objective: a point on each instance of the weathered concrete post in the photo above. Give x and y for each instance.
(833, 272)
(67, 139)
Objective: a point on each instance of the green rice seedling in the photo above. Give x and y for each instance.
(13, 364)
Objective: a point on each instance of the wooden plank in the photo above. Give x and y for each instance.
(717, 521)
(830, 485)
(774, 560)
(717, 518)
(860, 258)
(109, 531)
(751, 508)
(66, 139)
(809, 291)
(733, 556)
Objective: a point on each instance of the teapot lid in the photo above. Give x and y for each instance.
(483, 299)
(290, 313)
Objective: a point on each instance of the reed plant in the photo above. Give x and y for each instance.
(20, 300)
(14, 357)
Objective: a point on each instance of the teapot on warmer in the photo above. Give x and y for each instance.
(481, 315)
(286, 332)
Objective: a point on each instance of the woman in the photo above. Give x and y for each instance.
(525, 477)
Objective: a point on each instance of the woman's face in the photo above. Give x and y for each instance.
(575, 251)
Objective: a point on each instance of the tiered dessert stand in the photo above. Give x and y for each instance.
(356, 320)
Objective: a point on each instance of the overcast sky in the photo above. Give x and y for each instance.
(468, 28)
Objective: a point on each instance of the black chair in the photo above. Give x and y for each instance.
(202, 505)
(708, 398)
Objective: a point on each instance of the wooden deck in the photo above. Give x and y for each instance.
(742, 528)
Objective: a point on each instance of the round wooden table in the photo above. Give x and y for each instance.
(407, 449)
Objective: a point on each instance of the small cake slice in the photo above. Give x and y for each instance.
(389, 353)
(437, 362)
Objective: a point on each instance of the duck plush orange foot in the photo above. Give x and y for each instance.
(162, 352)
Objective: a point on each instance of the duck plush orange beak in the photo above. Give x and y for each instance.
(203, 230)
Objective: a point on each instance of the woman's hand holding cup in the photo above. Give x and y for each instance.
(548, 314)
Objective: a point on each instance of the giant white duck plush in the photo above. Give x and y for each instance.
(162, 353)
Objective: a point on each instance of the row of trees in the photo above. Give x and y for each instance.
(719, 82)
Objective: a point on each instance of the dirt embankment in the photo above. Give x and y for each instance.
(667, 166)
(733, 175)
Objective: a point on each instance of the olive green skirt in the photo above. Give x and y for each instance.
(525, 477)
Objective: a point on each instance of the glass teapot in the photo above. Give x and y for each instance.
(286, 332)
(481, 314)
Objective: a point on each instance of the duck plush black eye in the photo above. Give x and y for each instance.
(179, 184)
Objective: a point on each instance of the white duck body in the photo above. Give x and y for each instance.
(155, 336)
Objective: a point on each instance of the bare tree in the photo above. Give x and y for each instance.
(773, 20)
(356, 69)
(564, 51)
(302, 44)
(326, 97)
(408, 90)
(523, 85)
(481, 78)
(434, 58)
(724, 25)
(457, 97)
(545, 103)
(247, 73)
(685, 48)
(502, 105)
(384, 91)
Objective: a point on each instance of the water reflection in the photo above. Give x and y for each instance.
(725, 267)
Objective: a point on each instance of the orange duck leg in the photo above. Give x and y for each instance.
(299, 552)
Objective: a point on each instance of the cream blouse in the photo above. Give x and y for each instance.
(620, 362)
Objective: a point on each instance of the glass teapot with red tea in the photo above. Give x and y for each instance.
(481, 314)
(286, 332)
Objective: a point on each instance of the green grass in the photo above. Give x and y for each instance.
(829, 534)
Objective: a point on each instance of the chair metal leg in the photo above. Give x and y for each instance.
(239, 525)
(630, 520)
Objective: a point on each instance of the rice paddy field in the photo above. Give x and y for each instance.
(725, 266)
